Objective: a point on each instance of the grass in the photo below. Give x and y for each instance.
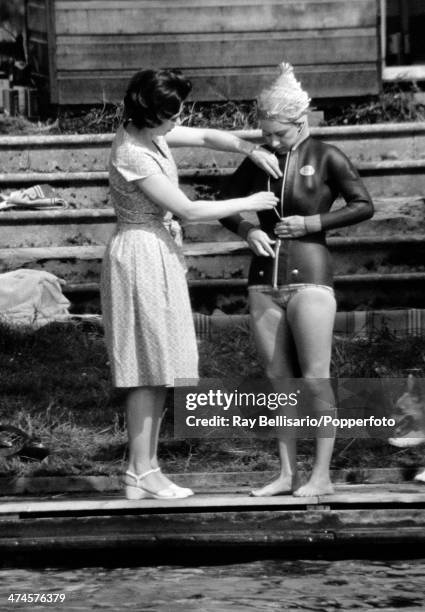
(394, 104)
(20, 126)
(55, 385)
(225, 115)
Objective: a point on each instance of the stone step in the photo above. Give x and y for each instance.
(387, 178)
(71, 153)
(353, 292)
(228, 260)
(390, 156)
(93, 226)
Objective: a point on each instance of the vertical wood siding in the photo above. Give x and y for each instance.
(229, 48)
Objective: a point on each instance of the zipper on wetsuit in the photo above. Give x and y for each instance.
(278, 240)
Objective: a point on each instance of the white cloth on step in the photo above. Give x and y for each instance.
(31, 296)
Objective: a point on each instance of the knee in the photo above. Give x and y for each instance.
(272, 371)
(317, 385)
(315, 373)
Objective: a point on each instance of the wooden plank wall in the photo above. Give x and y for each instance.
(229, 48)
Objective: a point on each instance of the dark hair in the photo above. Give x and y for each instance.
(153, 96)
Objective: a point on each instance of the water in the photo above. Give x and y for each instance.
(286, 585)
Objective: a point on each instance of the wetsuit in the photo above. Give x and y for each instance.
(314, 175)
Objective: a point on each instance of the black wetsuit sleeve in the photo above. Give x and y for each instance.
(238, 185)
(345, 181)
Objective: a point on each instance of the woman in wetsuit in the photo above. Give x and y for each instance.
(291, 296)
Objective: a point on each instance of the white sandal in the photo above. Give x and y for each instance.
(185, 491)
(135, 491)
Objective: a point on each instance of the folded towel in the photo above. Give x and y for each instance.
(38, 197)
(31, 297)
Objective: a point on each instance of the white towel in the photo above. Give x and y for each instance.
(32, 198)
(31, 297)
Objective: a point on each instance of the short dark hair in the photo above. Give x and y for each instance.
(153, 96)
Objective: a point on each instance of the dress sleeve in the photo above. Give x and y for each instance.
(133, 163)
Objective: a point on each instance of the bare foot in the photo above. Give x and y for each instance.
(284, 485)
(315, 487)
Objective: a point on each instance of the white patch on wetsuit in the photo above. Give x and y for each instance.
(307, 171)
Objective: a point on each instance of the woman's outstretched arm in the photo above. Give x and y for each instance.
(167, 195)
(220, 140)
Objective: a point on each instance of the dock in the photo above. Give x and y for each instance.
(356, 514)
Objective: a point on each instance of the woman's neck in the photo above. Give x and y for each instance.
(145, 136)
(303, 135)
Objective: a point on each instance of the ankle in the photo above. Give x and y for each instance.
(288, 475)
(139, 468)
(320, 476)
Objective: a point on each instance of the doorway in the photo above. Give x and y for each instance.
(403, 40)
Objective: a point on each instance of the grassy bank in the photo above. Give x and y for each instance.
(55, 384)
(394, 104)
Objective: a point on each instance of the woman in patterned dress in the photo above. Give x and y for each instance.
(148, 321)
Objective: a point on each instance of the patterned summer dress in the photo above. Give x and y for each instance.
(147, 315)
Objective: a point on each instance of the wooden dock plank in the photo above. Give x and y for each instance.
(350, 495)
(199, 501)
(364, 515)
(164, 530)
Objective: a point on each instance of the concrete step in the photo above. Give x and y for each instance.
(84, 226)
(392, 215)
(93, 226)
(353, 292)
(404, 177)
(398, 254)
(387, 250)
(72, 153)
(390, 156)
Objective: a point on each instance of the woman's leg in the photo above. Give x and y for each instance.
(165, 481)
(275, 347)
(144, 412)
(311, 315)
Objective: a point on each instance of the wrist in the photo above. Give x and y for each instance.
(247, 148)
(244, 228)
(313, 224)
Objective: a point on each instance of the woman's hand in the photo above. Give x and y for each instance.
(263, 200)
(290, 227)
(260, 243)
(266, 161)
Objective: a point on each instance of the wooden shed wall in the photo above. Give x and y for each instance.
(228, 48)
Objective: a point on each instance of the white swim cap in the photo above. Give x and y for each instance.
(285, 100)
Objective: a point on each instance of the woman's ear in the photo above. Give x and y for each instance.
(302, 124)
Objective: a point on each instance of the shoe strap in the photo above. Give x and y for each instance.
(140, 477)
